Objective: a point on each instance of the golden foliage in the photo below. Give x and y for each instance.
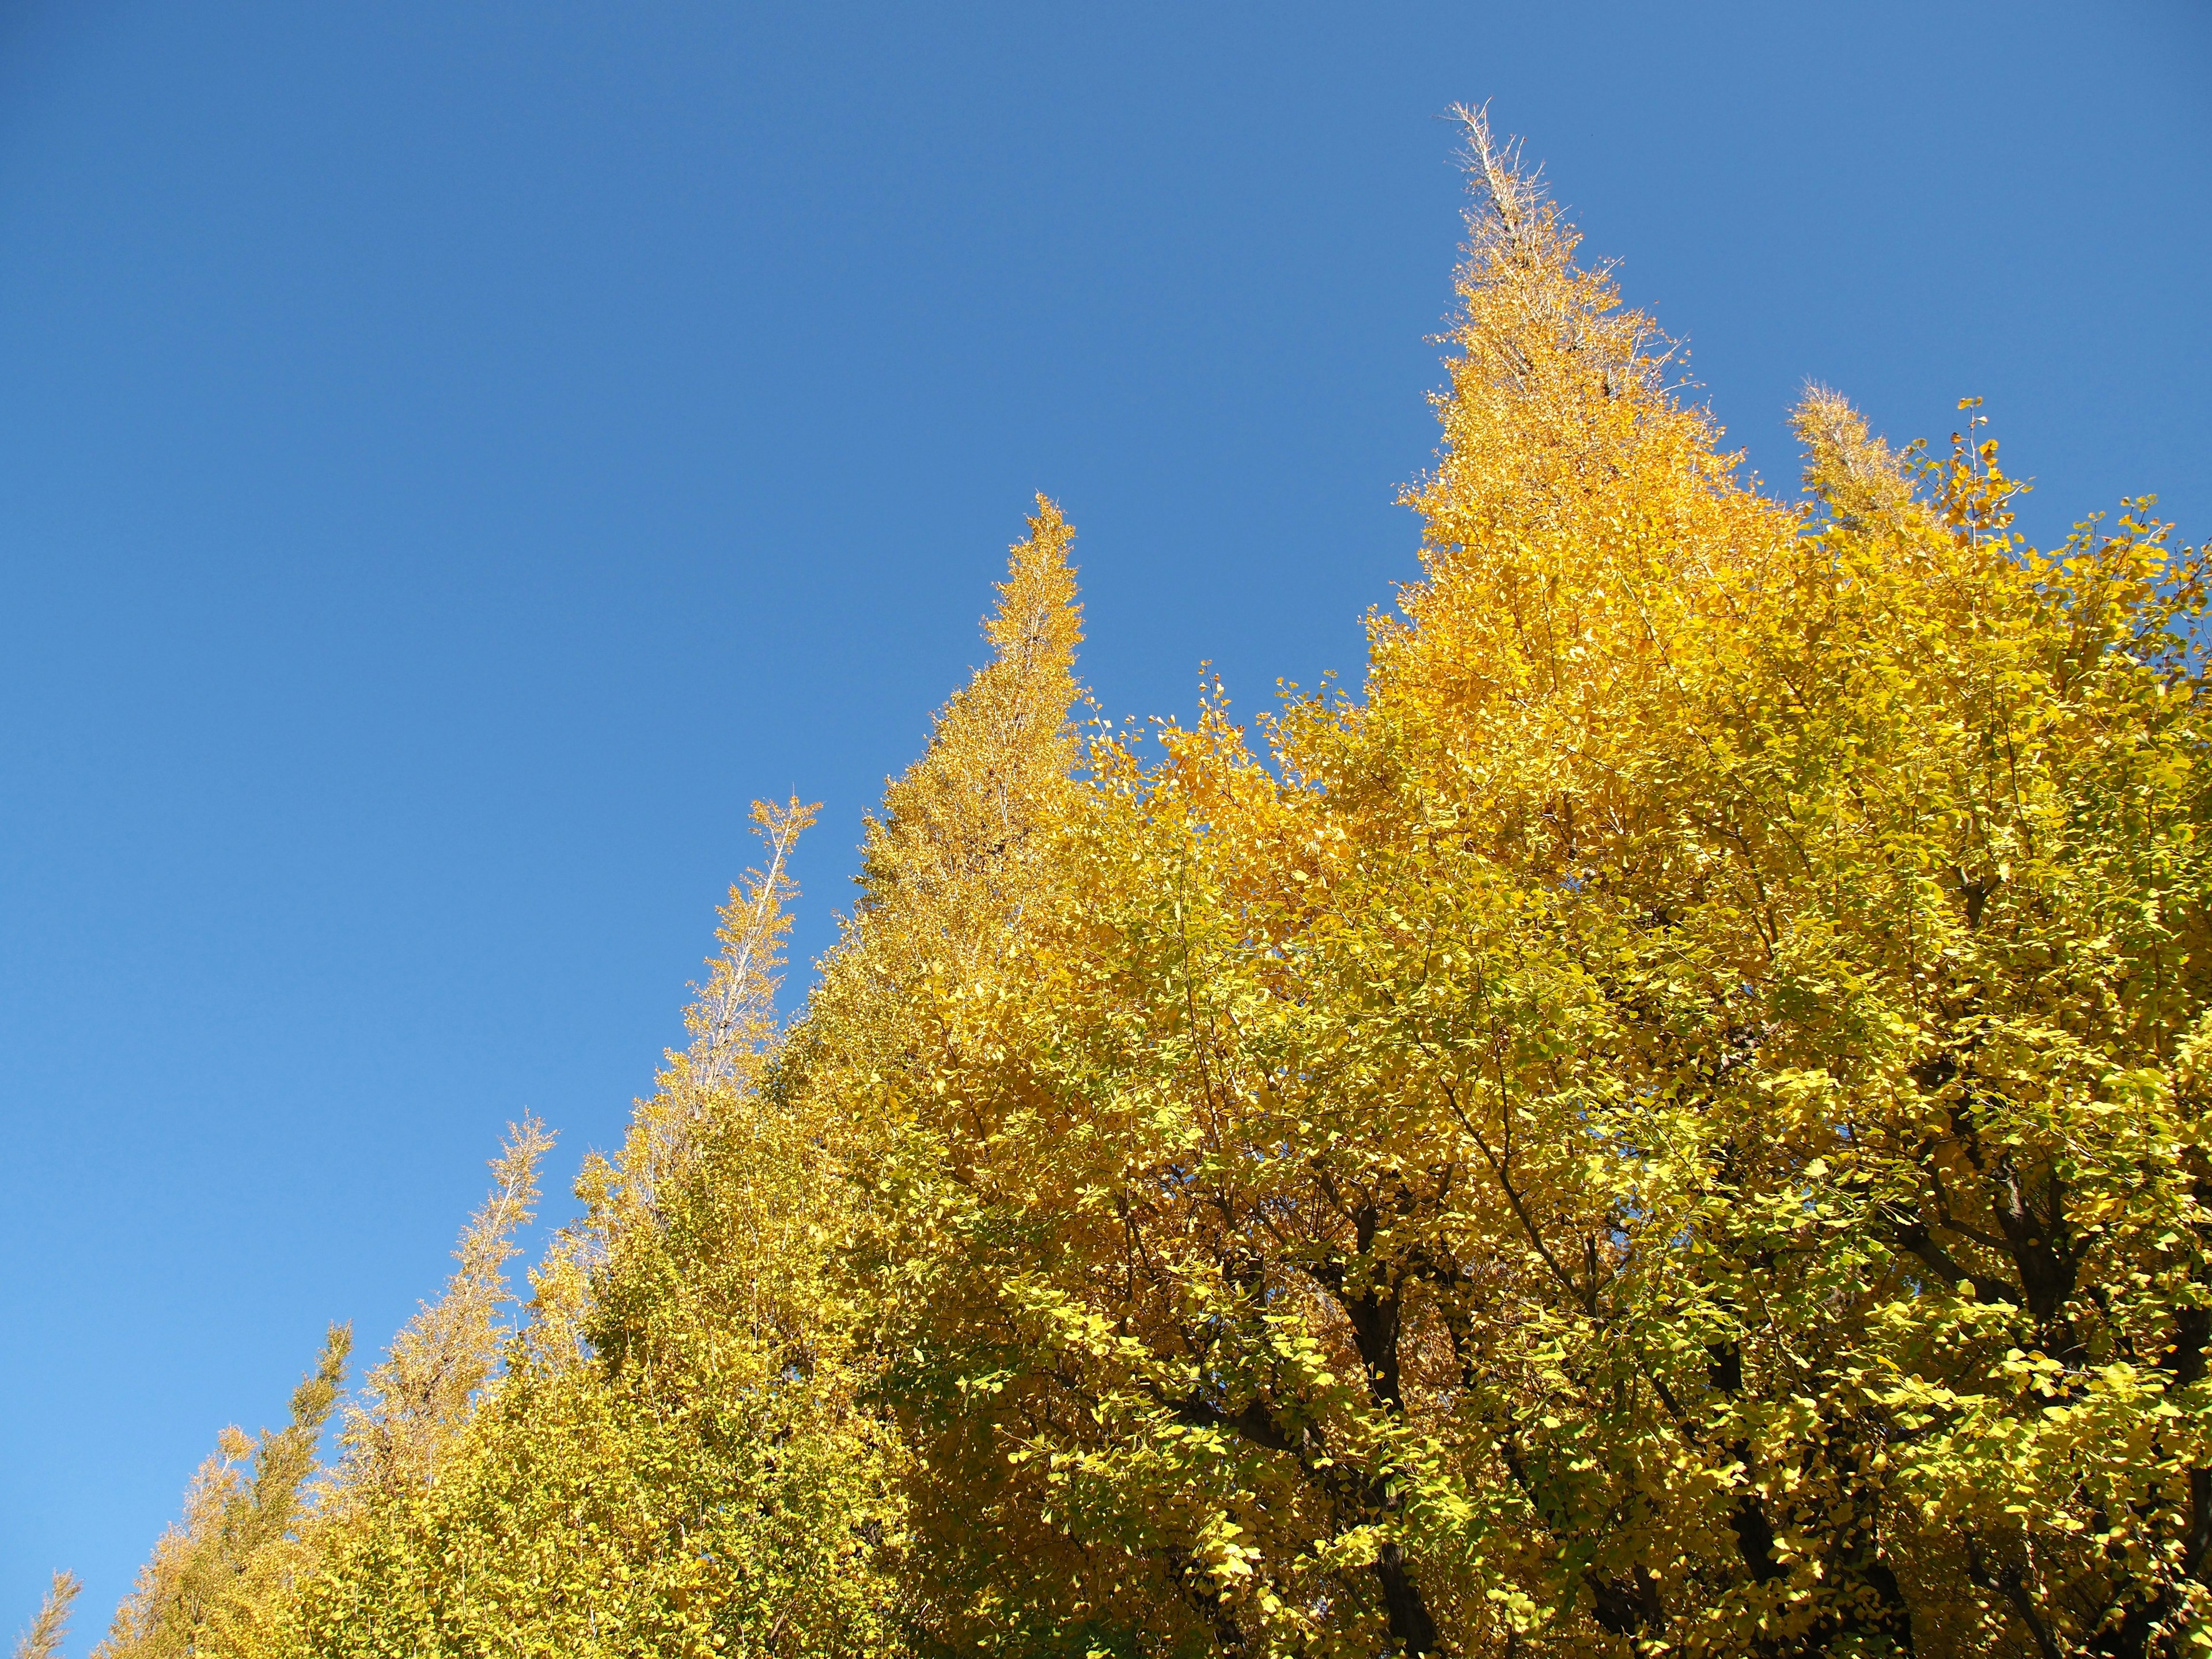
(414, 1403)
(221, 1575)
(672, 1462)
(42, 1637)
(1676, 1125)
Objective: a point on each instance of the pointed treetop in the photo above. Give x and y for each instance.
(216, 1573)
(735, 1012)
(1001, 748)
(1571, 477)
(1038, 622)
(43, 1640)
(732, 1023)
(415, 1402)
(1861, 480)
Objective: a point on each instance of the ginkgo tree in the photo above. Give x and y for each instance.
(1674, 1125)
(670, 1461)
(1674, 1122)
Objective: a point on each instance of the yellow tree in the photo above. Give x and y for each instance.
(1674, 1126)
(672, 1462)
(414, 1403)
(218, 1578)
(42, 1639)
(955, 867)
(689, 1452)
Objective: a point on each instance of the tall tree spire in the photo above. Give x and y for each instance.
(1001, 751)
(1576, 493)
(43, 1639)
(222, 1572)
(417, 1401)
(731, 1021)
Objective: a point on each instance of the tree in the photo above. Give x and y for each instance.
(954, 869)
(43, 1638)
(221, 1575)
(1674, 1125)
(672, 1462)
(415, 1404)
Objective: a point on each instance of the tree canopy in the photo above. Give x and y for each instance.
(1673, 1122)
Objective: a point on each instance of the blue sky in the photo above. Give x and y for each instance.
(451, 458)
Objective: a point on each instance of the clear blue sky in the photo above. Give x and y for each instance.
(452, 457)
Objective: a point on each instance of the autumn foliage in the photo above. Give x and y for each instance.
(1675, 1122)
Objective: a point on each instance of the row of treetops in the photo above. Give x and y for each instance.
(1673, 1123)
